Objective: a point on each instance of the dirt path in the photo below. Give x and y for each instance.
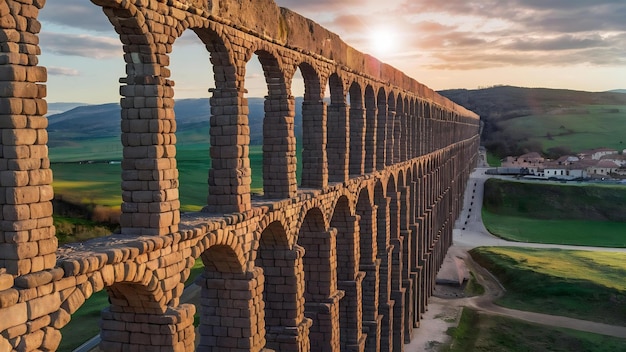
(494, 290)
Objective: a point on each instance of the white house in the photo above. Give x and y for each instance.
(563, 172)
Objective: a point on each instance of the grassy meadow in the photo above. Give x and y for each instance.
(574, 213)
(99, 182)
(480, 332)
(542, 280)
(580, 128)
(569, 232)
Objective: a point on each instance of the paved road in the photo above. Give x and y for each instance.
(469, 231)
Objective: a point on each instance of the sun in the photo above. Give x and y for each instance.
(383, 41)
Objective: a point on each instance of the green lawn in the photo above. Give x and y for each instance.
(543, 280)
(571, 232)
(488, 333)
(581, 129)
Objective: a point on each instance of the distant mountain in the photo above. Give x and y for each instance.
(57, 108)
(192, 120)
(618, 91)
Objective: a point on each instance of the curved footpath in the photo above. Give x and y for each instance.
(470, 232)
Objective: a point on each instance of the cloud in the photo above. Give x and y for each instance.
(77, 14)
(81, 45)
(62, 71)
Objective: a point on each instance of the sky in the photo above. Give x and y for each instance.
(569, 44)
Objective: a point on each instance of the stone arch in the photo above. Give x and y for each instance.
(400, 138)
(369, 265)
(392, 141)
(385, 306)
(229, 156)
(279, 139)
(349, 278)
(284, 311)
(231, 311)
(381, 130)
(145, 66)
(371, 129)
(357, 125)
(338, 146)
(314, 158)
(320, 281)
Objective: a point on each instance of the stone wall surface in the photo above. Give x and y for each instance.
(344, 260)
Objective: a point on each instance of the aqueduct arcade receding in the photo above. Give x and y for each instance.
(344, 261)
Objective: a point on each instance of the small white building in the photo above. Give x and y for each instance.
(563, 172)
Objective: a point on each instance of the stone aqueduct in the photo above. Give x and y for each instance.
(345, 260)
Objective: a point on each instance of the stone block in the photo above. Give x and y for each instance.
(42, 306)
(33, 279)
(51, 340)
(8, 297)
(13, 316)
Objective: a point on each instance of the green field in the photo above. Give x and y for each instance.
(570, 232)
(584, 127)
(542, 280)
(488, 333)
(99, 183)
(575, 213)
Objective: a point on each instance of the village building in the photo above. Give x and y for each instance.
(603, 168)
(596, 154)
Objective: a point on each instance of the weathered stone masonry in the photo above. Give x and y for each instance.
(345, 260)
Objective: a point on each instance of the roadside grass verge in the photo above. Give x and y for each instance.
(493, 160)
(579, 284)
(85, 321)
(481, 332)
(570, 232)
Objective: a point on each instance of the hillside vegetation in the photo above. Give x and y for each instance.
(519, 120)
(542, 280)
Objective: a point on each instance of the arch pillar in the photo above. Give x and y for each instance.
(314, 157)
(322, 302)
(357, 140)
(371, 131)
(385, 255)
(381, 133)
(392, 141)
(279, 148)
(338, 149)
(172, 330)
(350, 280)
(232, 315)
(230, 175)
(406, 237)
(287, 329)
(27, 237)
(369, 265)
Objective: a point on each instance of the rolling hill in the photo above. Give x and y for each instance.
(519, 120)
